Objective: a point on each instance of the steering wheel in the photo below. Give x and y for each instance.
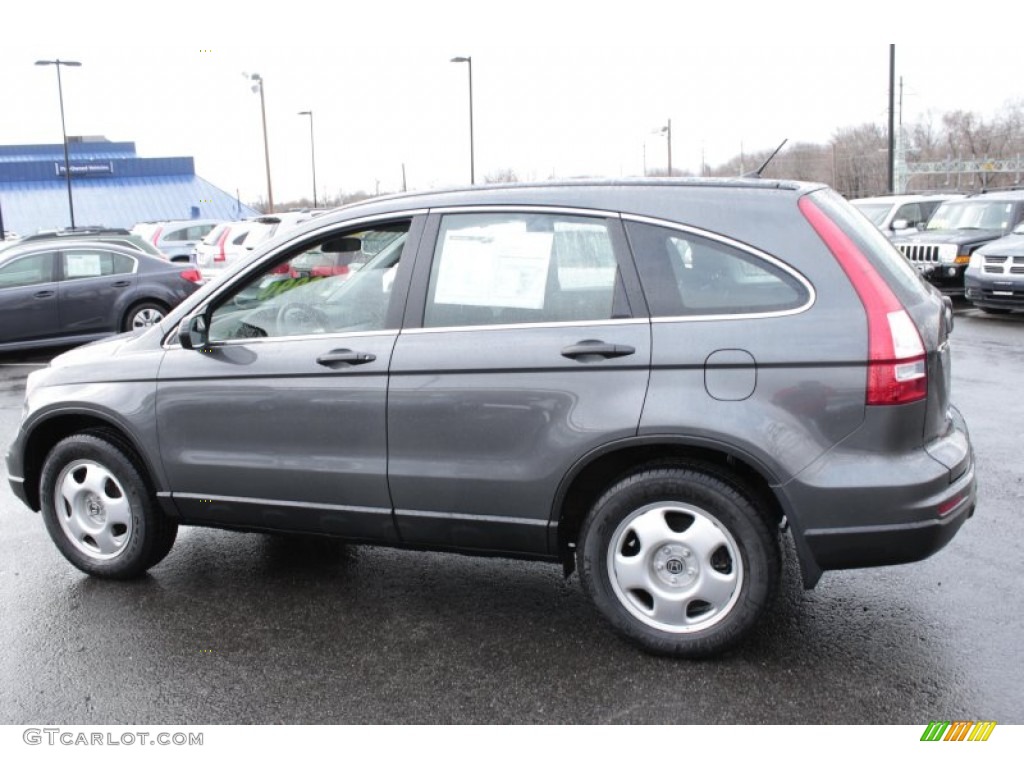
(294, 319)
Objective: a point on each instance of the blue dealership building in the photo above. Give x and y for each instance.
(110, 186)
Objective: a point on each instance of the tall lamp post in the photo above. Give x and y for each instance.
(666, 131)
(258, 88)
(469, 60)
(312, 151)
(60, 92)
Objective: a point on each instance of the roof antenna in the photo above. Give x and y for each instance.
(757, 174)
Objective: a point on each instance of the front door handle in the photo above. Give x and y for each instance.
(122, 283)
(43, 294)
(595, 348)
(339, 357)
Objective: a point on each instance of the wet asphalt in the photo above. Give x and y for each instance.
(245, 628)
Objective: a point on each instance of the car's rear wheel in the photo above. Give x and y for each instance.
(98, 510)
(143, 316)
(679, 559)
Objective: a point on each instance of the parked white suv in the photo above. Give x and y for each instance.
(235, 239)
(898, 213)
(224, 244)
(176, 239)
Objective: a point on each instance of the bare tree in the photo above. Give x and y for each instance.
(503, 175)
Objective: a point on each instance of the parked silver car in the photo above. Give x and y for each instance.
(648, 381)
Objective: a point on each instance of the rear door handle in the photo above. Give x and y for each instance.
(122, 283)
(43, 294)
(593, 347)
(339, 357)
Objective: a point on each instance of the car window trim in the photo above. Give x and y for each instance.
(297, 337)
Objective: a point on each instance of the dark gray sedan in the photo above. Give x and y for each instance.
(75, 291)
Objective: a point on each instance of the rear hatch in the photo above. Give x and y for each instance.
(930, 312)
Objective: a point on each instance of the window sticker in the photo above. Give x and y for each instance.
(83, 265)
(494, 267)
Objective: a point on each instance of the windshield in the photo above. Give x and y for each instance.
(973, 214)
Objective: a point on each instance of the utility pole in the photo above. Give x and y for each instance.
(892, 118)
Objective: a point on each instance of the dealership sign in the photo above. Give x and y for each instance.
(86, 169)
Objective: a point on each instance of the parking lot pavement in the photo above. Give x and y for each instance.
(247, 628)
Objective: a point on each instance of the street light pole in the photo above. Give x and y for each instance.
(312, 151)
(258, 87)
(63, 130)
(892, 127)
(469, 60)
(668, 137)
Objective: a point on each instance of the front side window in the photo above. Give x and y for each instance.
(911, 213)
(28, 270)
(95, 263)
(337, 285)
(511, 268)
(686, 274)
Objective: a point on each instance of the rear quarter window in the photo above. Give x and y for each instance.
(685, 274)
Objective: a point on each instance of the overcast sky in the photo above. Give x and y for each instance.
(563, 89)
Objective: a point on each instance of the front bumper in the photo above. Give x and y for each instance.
(948, 278)
(14, 474)
(1007, 295)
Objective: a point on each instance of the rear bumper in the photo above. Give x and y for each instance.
(868, 546)
(866, 511)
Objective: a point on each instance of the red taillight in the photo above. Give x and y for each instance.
(221, 256)
(897, 369)
(156, 234)
(192, 275)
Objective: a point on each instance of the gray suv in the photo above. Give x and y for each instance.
(650, 382)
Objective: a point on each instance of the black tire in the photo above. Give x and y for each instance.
(166, 537)
(679, 559)
(995, 310)
(99, 511)
(143, 315)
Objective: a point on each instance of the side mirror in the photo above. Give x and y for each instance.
(899, 224)
(194, 332)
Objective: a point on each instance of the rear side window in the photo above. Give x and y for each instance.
(902, 278)
(86, 263)
(684, 274)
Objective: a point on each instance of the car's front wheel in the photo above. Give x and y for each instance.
(98, 510)
(679, 559)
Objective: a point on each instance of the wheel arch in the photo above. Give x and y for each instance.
(45, 434)
(587, 480)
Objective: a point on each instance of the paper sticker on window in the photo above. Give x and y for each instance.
(494, 267)
(83, 265)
